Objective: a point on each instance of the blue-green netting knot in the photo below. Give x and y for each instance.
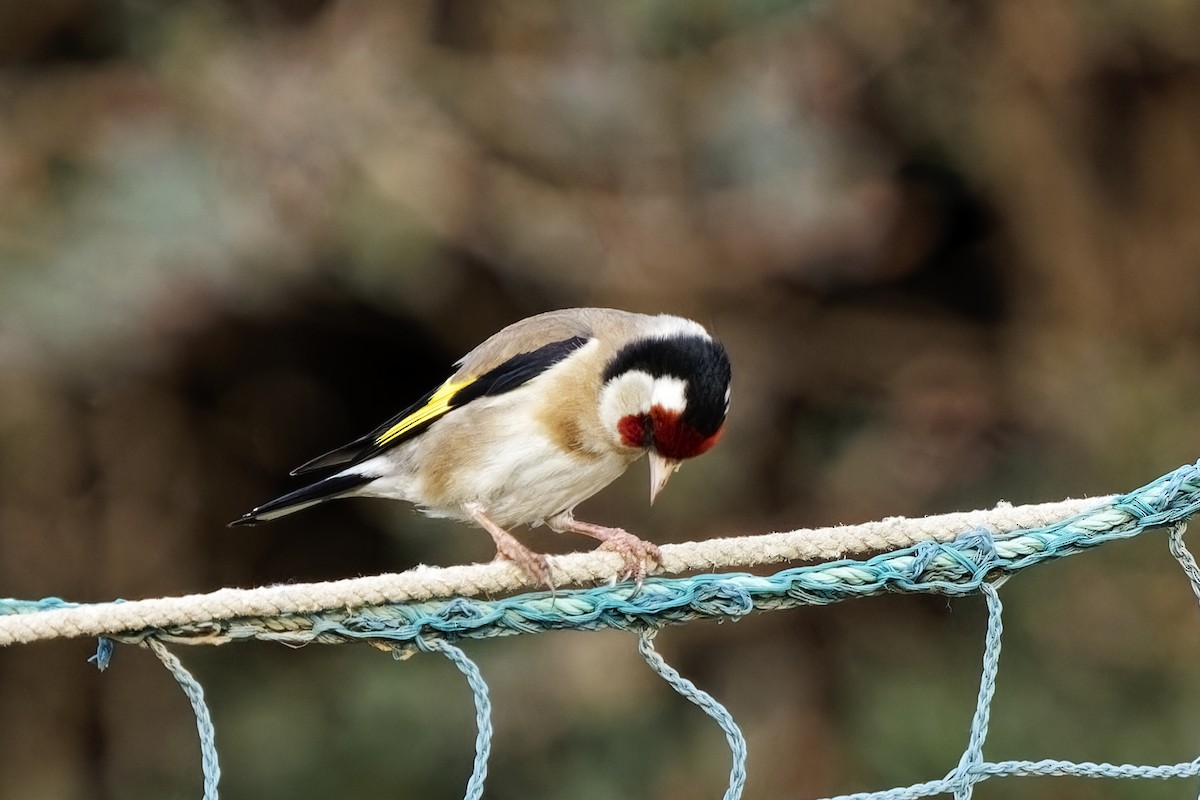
(104, 653)
(721, 599)
(923, 556)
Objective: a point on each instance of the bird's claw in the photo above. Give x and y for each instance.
(636, 553)
(533, 564)
(508, 547)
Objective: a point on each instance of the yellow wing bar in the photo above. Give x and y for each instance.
(438, 403)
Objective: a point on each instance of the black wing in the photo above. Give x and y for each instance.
(454, 393)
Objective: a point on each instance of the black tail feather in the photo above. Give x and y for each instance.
(328, 489)
(345, 454)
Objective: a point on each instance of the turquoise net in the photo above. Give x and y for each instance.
(976, 562)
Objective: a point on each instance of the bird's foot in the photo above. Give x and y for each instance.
(532, 563)
(636, 553)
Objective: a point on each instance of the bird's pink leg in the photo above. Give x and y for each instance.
(635, 552)
(534, 564)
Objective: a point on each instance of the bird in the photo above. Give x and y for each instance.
(538, 418)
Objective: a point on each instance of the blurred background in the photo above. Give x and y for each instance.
(952, 248)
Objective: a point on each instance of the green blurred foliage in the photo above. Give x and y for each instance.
(952, 248)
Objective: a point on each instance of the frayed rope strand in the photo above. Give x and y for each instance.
(709, 705)
(204, 724)
(964, 776)
(483, 709)
(1184, 556)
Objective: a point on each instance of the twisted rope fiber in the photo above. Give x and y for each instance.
(204, 724)
(58, 619)
(972, 769)
(483, 710)
(709, 705)
(975, 561)
(959, 567)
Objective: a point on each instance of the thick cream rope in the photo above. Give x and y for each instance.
(499, 577)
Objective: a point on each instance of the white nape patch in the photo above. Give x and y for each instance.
(668, 325)
(670, 393)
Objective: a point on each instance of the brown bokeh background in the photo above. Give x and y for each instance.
(952, 247)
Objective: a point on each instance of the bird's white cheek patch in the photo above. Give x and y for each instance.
(636, 393)
(628, 393)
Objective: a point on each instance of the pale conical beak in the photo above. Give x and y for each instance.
(661, 470)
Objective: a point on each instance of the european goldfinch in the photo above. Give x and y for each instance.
(538, 418)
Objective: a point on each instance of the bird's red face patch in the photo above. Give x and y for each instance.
(666, 432)
(634, 430)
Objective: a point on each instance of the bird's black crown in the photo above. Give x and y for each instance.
(700, 362)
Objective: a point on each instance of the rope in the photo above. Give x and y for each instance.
(972, 769)
(956, 567)
(483, 709)
(973, 756)
(954, 554)
(709, 705)
(59, 619)
(195, 695)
